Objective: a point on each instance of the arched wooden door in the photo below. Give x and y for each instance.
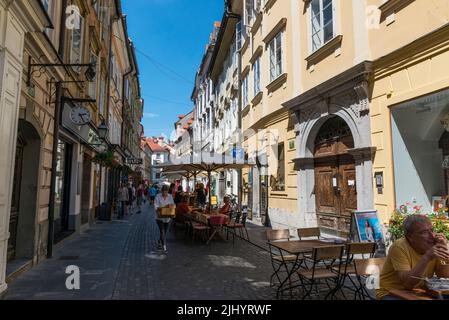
(335, 176)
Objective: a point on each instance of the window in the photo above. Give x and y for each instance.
(76, 47)
(256, 70)
(245, 91)
(46, 4)
(249, 12)
(102, 93)
(105, 21)
(322, 22)
(96, 5)
(238, 36)
(93, 84)
(276, 64)
(279, 183)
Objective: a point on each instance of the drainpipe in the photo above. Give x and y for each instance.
(54, 164)
(231, 15)
(108, 101)
(57, 121)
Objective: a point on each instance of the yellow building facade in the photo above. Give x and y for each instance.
(269, 79)
(409, 103)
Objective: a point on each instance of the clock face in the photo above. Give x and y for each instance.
(80, 115)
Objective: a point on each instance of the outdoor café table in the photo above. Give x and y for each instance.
(298, 248)
(216, 221)
(416, 294)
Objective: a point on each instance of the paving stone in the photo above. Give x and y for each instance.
(119, 260)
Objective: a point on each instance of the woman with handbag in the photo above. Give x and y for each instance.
(163, 200)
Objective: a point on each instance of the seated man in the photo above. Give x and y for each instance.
(420, 254)
(226, 209)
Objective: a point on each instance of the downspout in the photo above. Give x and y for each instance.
(54, 163)
(57, 120)
(108, 101)
(232, 15)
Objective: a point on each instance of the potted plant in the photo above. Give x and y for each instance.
(439, 221)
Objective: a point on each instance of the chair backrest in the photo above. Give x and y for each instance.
(327, 253)
(244, 217)
(203, 219)
(278, 235)
(309, 232)
(368, 267)
(217, 220)
(361, 248)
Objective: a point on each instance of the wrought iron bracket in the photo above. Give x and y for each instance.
(34, 68)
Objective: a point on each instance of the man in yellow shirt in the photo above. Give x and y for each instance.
(421, 253)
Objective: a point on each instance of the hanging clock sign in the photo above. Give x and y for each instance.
(80, 115)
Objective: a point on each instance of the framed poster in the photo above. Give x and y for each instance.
(369, 228)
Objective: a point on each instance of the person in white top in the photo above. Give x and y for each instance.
(163, 199)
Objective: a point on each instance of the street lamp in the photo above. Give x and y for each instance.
(102, 130)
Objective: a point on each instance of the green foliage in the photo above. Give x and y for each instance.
(439, 221)
(395, 225)
(441, 226)
(105, 159)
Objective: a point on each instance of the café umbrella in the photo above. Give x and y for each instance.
(206, 163)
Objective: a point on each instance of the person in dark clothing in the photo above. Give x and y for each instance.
(179, 195)
(201, 195)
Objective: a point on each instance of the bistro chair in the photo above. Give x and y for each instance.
(309, 233)
(325, 259)
(364, 269)
(278, 259)
(200, 226)
(239, 225)
(355, 249)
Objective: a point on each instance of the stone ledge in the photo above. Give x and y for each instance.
(325, 50)
(277, 83)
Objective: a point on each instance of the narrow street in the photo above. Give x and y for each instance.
(119, 260)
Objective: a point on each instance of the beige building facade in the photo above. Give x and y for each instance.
(409, 103)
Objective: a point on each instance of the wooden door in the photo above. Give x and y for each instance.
(326, 188)
(347, 188)
(15, 201)
(335, 176)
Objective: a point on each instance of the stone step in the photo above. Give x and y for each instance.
(17, 267)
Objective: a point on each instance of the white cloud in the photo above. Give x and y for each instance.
(150, 115)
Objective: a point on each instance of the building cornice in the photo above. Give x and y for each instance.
(355, 78)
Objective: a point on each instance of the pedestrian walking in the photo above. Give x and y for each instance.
(139, 198)
(163, 200)
(153, 193)
(122, 198)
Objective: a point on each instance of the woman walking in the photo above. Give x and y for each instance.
(163, 200)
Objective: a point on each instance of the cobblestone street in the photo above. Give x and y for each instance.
(119, 260)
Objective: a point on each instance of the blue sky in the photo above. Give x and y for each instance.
(170, 38)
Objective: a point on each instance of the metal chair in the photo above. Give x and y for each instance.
(239, 225)
(309, 233)
(279, 260)
(324, 260)
(362, 249)
(366, 268)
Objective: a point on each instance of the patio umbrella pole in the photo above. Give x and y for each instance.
(210, 197)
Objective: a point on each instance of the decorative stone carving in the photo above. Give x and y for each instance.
(361, 89)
